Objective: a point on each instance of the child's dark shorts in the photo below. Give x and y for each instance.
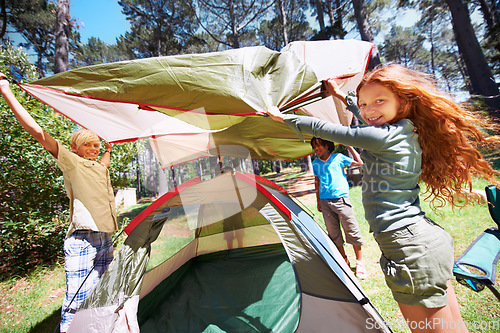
(417, 261)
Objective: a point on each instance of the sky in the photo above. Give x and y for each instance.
(99, 18)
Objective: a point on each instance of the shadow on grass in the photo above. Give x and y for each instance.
(12, 268)
(49, 324)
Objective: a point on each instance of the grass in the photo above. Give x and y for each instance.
(32, 303)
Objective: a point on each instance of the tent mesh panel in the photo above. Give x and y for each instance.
(241, 290)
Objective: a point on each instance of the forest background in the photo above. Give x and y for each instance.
(462, 54)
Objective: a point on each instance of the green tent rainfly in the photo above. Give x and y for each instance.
(208, 104)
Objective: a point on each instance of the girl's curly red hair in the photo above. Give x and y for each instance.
(449, 135)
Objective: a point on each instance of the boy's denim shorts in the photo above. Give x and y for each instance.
(417, 261)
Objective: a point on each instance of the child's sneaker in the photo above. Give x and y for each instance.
(361, 270)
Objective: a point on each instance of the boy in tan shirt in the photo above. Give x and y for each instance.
(88, 245)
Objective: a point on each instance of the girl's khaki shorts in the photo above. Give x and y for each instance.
(417, 261)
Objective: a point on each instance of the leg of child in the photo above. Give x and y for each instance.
(357, 252)
(332, 224)
(352, 233)
(342, 252)
(443, 319)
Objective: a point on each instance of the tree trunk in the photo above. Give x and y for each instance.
(234, 26)
(162, 182)
(335, 16)
(3, 17)
(62, 36)
(281, 4)
(365, 30)
(200, 168)
(480, 75)
(172, 173)
(489, 13)
(306, 164)
(255, 166)
(277, 166)
(138, 175)
(321, 20)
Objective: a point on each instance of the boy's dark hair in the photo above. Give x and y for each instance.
(319, 141)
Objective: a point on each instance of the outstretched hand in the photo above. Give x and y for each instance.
(4, 83)
(107, 145)
(333, 89)
(275, 114)
(106, 158)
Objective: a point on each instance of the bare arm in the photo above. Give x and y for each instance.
(316, 189)
(26, 120)
(357, 159)
(106, 158)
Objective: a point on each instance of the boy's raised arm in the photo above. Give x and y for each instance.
(357, 161)
(106, 158)
(29, 124)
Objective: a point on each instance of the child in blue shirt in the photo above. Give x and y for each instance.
(332, 194)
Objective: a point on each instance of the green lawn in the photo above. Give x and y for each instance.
(32, 303)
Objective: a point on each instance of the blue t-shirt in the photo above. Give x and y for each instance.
(331, 175)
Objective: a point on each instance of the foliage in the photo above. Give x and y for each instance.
(297, 26)
(231, 22)
(202, 43)
(95, 51)
(163, 27)
(267, 34)
(36, 21)
(404, 46)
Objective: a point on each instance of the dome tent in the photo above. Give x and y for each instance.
(254, 261)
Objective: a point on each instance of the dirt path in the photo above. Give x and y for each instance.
(301, 185)
(298, 186)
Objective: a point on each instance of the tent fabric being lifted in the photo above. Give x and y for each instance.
(209, 104)
(254, 262)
